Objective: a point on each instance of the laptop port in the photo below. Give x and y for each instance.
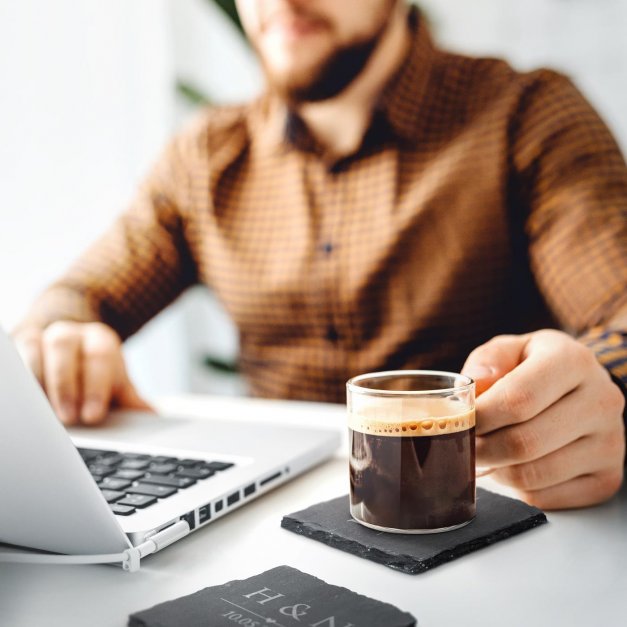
(276, 475)
(232, 498)
(249, 489)
(190, 518)
(218, 506)
(204, 514)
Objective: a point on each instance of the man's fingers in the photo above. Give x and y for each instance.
(551, 425)
(492, 360)
(587, 455)
(61, 369)
(99, 361)
(540, 380)
(529, 440)
(582, 491)
(81, 368)
(107, 382)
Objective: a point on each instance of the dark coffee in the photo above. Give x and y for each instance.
(413, 475)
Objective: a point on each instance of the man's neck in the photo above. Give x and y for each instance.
(339, 124)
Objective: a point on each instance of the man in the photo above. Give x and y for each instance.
(384, 205)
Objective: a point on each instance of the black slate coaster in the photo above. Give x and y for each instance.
(282, 597)
(498, 517)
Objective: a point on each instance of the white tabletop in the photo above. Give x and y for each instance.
(571, 572)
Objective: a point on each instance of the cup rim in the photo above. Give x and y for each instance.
(352, 385)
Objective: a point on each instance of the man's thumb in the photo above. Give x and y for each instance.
(494, 359)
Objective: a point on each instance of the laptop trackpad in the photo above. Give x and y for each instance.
(202, 435)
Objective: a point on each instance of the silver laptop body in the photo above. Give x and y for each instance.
(51, 502)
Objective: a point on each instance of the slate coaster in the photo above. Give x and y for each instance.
(281, 597)
(498, 517)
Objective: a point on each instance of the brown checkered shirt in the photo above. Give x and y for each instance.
(482, 201)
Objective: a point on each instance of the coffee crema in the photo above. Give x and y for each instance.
(414, 428)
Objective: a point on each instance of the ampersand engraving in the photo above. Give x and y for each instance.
(295, 613)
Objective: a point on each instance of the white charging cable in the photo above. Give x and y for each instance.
(130, 558)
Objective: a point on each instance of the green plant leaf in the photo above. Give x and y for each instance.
(220, 365)
(228, 6)
(191, 93)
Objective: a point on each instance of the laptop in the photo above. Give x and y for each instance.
(141, 480)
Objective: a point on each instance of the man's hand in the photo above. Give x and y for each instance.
(81, 368)
(549, 419)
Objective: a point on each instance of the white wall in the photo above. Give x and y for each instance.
(82, 112)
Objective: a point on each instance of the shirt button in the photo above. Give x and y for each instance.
(327, 248)
(332, 334)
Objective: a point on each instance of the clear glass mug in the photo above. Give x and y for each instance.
(412, 450)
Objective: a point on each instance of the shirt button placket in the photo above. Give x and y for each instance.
(328, 251)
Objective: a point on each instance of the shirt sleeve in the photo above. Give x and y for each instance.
(574, 180)
(137, 267)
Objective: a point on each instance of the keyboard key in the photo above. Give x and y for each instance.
(88, 454)
(162, 468)
(135, 464)
(160, 491)
(137, 500)
(173, 482)
(99, 451)
(122, 510)
(112, 495)
(189, 463)
(114, 483)
(100, 470)
(164, 460)
(110, 460)
(104, 453)
(139, 456)
(131, 475)
(194, 473)
(217, 465)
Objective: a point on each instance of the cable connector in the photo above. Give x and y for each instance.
(131, 558)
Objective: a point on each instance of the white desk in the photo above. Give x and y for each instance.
(571, 572)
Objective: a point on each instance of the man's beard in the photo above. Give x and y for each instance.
(330, 77)
(335, 74)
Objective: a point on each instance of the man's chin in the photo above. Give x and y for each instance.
(307, 85)
(325, 79)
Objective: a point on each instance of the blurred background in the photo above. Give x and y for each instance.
(91, 90)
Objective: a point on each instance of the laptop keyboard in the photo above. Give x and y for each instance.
(132, 481)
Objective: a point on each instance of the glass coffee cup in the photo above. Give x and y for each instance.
(412, 450)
